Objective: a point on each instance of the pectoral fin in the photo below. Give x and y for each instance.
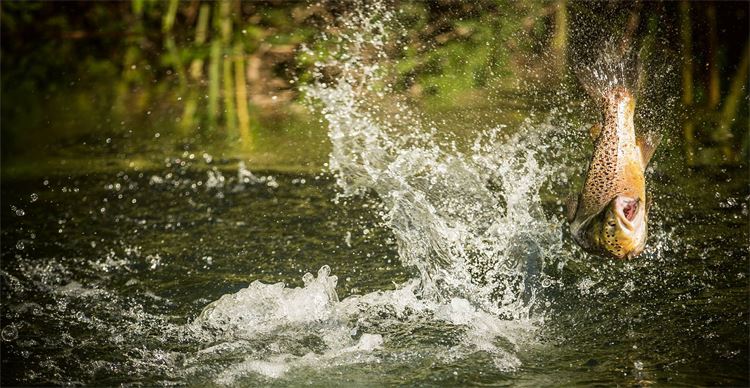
(648, 143)
(595, 131)
(572, 206)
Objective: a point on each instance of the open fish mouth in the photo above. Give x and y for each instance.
(627, 209)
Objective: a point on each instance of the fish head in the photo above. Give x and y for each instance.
(619, 229)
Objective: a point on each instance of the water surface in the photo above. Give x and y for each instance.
(417, 255)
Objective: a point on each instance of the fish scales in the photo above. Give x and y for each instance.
(610, 216)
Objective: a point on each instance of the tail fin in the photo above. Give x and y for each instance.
(614, 69)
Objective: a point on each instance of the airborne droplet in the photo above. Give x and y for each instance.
(9, 333)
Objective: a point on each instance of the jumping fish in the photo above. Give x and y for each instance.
(610, 216)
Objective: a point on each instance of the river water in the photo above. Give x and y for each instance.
(414, 258)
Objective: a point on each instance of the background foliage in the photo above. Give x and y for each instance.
(82, 78)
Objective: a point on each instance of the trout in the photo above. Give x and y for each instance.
(610, 216)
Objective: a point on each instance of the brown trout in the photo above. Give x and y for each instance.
(611, 214)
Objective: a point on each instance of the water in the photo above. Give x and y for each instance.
(416, 258)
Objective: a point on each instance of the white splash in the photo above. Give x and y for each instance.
(470, 223)
(280, 329)
(465, 237)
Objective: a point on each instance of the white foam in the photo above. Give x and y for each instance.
(273, 322)
(478, 250)
(464, 238)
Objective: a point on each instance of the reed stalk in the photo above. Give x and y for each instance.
(189, 105)
(243, 115)
(168, 19)
(213, 83)
(196, 67)
(731, 103)
(130, 59)
(714, 83)
(560, 37)
(230, 113)
(688, 125)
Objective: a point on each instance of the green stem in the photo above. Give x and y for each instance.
(241, 93)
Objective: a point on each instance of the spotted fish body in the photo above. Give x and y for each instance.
(610, 215)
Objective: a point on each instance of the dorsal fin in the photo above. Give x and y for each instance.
(595, 131)
(648, 143)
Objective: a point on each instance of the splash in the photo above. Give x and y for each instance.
(614, 66)
(477, 223)
(470, 223)
(277, 330)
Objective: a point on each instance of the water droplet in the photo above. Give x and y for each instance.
(33, 197)
(9, 333)
(19, 245)
(109, 140)
(20, 212)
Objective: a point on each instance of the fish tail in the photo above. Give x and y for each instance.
(614, 71)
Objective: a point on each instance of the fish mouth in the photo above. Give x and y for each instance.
(627, 209)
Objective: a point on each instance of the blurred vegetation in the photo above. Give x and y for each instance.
(146, 76)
